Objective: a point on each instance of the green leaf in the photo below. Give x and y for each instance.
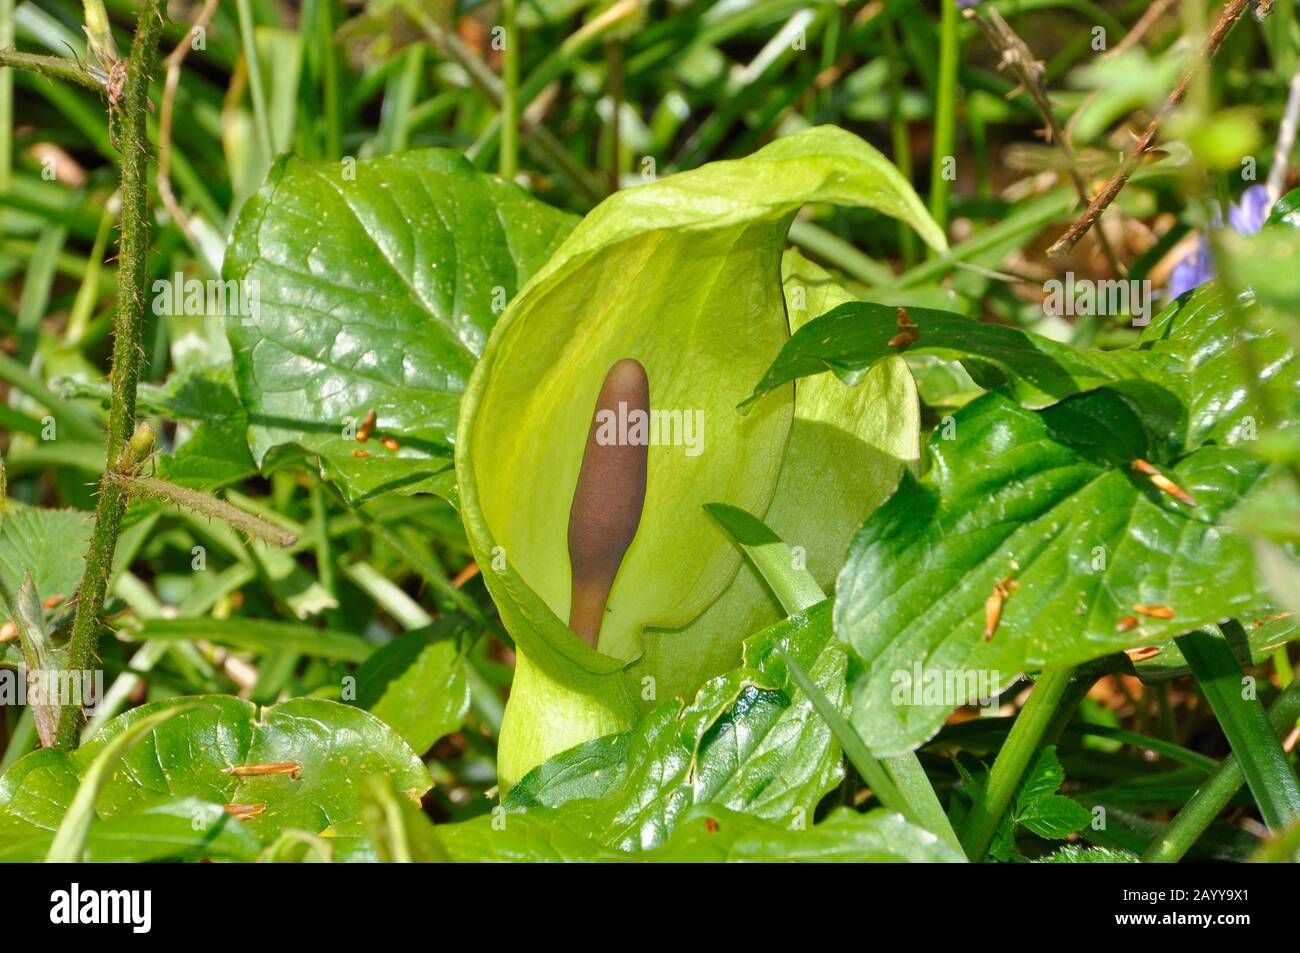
(215, 453)
(192, 756)
(185, 829)
(705, 252)
(1036, 371)
(1074, 854)
(1039, 808)
(775, 561)
(70, 839)
(1049, 499)
(376, 284)
(417, 683)
(1055, 817)
(48, 544)
(1185, 378)
(706, 834)
(748, 743)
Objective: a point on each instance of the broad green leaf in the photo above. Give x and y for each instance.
(684, 275)
(192, 755)
(706, 834)
(378, 282)
(1036, 371)
(1049, 499)
(417, 683)
(1186, 377)
(48, 544)
(749, 742)
(70, 839)
(1263, 636)
(185, 829)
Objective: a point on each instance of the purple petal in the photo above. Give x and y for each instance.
(1248, 215)
(1192, 272)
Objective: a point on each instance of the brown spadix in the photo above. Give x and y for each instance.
(611, 490)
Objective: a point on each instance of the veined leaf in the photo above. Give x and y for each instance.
(186, 829)
(748, 742)
(706, 834)
(224, 751)
(1185, 377)
(377, 284)
(1047, 500)
(50, 545)
(70, 839)
(417, 684)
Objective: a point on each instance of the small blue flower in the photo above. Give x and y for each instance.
(1246, 216)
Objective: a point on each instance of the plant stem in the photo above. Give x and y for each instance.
(125, 375)
(55, 67)
(509, 94)
(1232, 12)
(1245, 723)
(6, 98)
(915, 788)
(898, 127)
(945, 112)
(255, 88)
(1213, 796)
(1009, 766)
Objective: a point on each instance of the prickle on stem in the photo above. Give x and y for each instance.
(607, 501)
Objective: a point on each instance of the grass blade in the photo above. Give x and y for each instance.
(1245, 723)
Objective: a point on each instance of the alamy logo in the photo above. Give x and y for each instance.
(134, 907)
(947, 687)
(1107, 297)
(656, 428)
(215, 298)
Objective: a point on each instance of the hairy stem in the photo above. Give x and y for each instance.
(125, 375)
(54, 67)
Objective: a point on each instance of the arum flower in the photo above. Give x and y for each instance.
(1246, 217)
(672, 290)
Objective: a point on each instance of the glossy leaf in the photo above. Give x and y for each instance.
(378, 283)
(184, 829)
(749, 742)
(1048, 499)
(192, 754)
(706, 834)
(417, 684)
(1185, 378)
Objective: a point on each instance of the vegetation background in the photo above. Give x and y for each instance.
(597, 96)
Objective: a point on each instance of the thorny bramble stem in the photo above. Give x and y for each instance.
(127, 353)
